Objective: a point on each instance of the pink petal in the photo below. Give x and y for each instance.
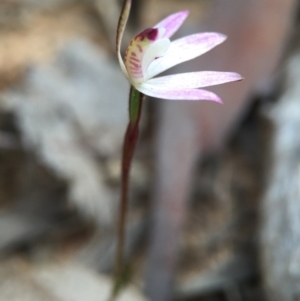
(178, 94)
(194, 79)
(172, 23)
(185, 49)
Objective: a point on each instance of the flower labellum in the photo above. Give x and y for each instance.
(151, 52)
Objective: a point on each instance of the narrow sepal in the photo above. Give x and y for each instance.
(178, 94)
(193, 80)
(120, 31)
(172, 23)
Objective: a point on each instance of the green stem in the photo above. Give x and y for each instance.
(130, 140)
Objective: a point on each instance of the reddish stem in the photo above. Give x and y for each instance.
(130, 140)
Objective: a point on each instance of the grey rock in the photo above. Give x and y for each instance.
(281, 204)
(76, 283)
(16, 229)
(71, 114)
(237, 269)
(100, 252)
(56, 281)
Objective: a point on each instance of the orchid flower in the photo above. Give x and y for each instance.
(151, 52)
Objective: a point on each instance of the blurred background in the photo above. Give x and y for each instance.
(215, 190)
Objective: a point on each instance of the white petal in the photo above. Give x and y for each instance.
(154, 51)
(178, 94)
(185, 49)
(194, 79)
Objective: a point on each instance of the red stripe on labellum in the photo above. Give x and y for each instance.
(140, 48)
(134, 64)
(133, 59)
(135, 69)
(137, 72)
(126, 54)
(133, 53)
